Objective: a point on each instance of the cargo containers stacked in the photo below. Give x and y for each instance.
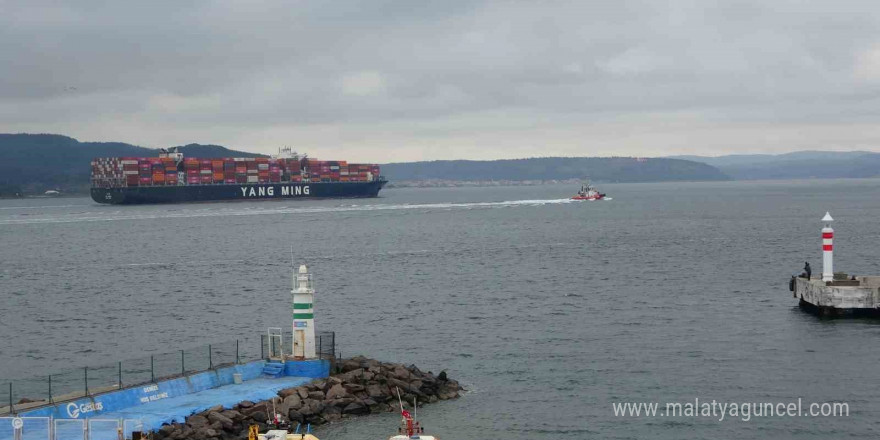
(228, 170)
(205, 172)
(191, 168)
(262, 170)
(171, 178)
(170, 171)
(108, 172)
(361, 172)
(292, 170)
(251, 165)
(129, 170)
(240, 170)
(336, 171)
(163, 171)
(158, 169)
(217, 171)
(145, 172)
(275, 167)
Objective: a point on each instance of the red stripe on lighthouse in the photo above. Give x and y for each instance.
(827, 235)
(826, 247)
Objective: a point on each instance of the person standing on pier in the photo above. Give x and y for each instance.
(807, 270)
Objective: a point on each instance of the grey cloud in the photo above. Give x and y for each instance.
(562, 77)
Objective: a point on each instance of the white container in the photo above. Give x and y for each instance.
(236, 378)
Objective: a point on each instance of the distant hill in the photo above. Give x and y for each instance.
(599, 169)
(797, 165)
(34, 163)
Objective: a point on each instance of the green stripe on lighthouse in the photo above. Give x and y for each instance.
(302, 306)
(303, 316)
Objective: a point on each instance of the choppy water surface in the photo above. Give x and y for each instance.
(548, 310)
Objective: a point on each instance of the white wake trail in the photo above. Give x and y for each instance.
(120, 215)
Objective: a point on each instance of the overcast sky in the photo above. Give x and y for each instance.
(388, 81)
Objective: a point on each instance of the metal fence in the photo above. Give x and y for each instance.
(271, 346)
(47, 428)
(23, 394)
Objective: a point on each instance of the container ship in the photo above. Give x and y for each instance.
(171, 178)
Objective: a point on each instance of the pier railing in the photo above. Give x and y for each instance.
(325, 345)
(22, 394)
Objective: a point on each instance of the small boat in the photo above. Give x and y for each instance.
(279, 429)
(409, 428)
(589, 192)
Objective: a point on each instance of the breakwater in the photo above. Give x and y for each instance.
(359, 386)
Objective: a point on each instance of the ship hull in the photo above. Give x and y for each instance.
(224, 192)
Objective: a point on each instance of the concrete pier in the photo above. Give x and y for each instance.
(839, 297)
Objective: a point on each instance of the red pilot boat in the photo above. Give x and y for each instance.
(410, 429)
(589, 192)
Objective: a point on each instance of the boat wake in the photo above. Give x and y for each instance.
(178, 211)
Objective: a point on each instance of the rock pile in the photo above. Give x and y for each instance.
(360, 386)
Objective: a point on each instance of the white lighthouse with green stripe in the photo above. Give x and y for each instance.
(303, 315)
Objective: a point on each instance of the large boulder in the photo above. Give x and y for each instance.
(336, 391)
(351, 364)
(197, 421)
(311, 407)
(245, 404)
(354, 388)
(341, 402)
(356, 408)
(316, 395)
(225, 422)
(446, 392)
(185, 432)
(405, 387)
(233, 415)
(303, 392)
(295, 416)
(259, 416)
(375, 390)
(168, 430)
(257, 407)
(287, 392)
(306, 410)
(353, 375)
(292, 401)
(401, 373)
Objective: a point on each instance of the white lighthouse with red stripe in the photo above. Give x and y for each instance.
(827, 249)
